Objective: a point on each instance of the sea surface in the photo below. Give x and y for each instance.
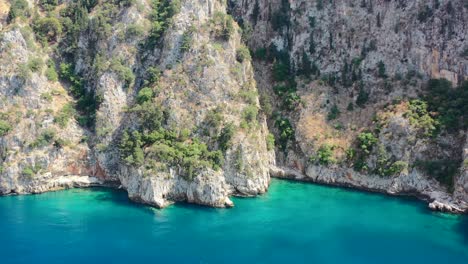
(292, 223)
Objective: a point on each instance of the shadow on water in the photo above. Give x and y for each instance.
(120, 197)
(462, 228)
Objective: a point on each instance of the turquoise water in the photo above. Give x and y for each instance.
(294, 222)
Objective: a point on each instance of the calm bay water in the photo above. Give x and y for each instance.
(293, 222)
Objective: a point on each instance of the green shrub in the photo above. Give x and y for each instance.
(187, 40)
(225, 138)
(35, 64)
(123, 72)
(362, 98)
(243, 54)
(51, 73)
(48, 5)
(451, 104)
(381, 69)
(324, 155)
(134, 31)
(222, 25)
(270, 139)
(261, 53)
(24, 73)
(5, 128)
(334, 113)
(250, 114)
(286, 132)
(47, 137)
(366, 141)
(266, 104)
(64, 115)
(47, 29)
(145, 95)
(18, 8)
(161, 15)
(420, 118)
(47, 97)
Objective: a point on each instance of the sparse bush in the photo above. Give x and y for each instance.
(250, 114)
(35, 64)
(223, 26)
(64, 115)
(51, 73)
(334, 113)
(324, 155)
(18, 8)
(5, 128)
(243, 54)
(225, 137)
(45, 138)
(134, 31)
(270, 139)
(286, 132)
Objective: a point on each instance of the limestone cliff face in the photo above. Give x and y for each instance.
(357, 69)
(108, 63)
(35, 151)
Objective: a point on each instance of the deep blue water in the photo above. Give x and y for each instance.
(292, 223)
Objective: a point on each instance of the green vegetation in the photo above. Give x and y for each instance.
(161, 16)
(48, 5)
(35, 64)
(144, 95)
(225, 138)
(420, 118)
(451, 104)
(62, 118)
(381, 70)
(280, 18)
(87, 102)
(285, 131)
(30, 171)
(47, 29)
(51, 73)
(222, 26)
(324, 155)
(443, 171)
(243, 54)
(288, 93)
(187, 40)
(5, 127)
(270, 139)
(46, 138)
(250, 114)
(365, 143)
(362, 98)
(334, 113)
(134, 31)
(123, 72)
(18, 8)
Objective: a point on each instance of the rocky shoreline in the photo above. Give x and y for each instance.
(437, 200)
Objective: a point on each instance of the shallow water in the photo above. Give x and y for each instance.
(293, 222)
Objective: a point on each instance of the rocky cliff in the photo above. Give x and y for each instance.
(367, 94)
(156, 95)
(174, 100)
